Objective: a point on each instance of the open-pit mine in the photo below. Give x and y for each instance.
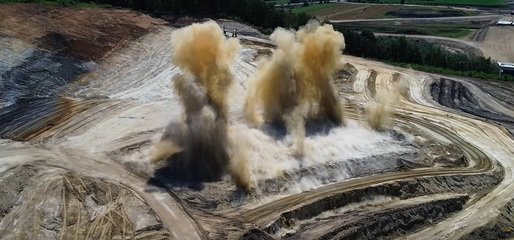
(117, 125)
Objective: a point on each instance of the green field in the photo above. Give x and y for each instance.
(314, 7)
(460, 33)
(433, 29)
(446, 2)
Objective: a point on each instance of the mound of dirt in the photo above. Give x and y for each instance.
(86, 33)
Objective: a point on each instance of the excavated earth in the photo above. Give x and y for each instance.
(86, 92)
(456, 95)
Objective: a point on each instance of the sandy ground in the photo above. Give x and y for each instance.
(498, 44)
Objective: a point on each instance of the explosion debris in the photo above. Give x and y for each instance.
(204, 55)
(295, 83)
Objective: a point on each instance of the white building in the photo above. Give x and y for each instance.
(506, 67)
(504, 22)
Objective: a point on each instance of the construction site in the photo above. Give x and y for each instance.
(115, 124)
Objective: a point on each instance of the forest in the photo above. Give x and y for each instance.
(419, 54)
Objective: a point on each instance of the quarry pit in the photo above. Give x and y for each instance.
(83, 111)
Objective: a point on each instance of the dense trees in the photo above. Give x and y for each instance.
(256, 12)
(418, 54)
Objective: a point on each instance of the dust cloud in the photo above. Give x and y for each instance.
(239, 167)
(202, 51)
(204, 55)
(295, 83)
(274, 87)
(319, 56)
(291, 87)
(381, 112)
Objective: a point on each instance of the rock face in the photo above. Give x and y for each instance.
(388, 223)
(36, 84)
(455, 95)
(42, 197)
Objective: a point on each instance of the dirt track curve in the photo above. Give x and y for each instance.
(436, 19)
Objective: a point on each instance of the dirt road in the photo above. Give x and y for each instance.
(497, 43)
(452, 43)
(437, 19)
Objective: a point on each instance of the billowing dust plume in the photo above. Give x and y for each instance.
(319, 56)
(239, 167)
(203, 51)
(274, 86)
(200, 138)
(171, 141)
(295, 83)
(381, 112)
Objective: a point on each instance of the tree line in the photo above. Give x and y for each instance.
(259, 13)
(419, 55)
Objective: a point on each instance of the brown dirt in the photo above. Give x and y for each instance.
(498, 44)
(87, 33)
(337, 9)
(479, 35)
(373, 11)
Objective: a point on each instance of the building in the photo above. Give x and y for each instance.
(505, 22)
(506, 68)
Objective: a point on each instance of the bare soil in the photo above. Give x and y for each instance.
(498, 43)
(338, 9)
(87, 33)
(374, 11)
(479, 35)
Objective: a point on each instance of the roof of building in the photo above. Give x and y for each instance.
(506, 65)
(504, 22)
